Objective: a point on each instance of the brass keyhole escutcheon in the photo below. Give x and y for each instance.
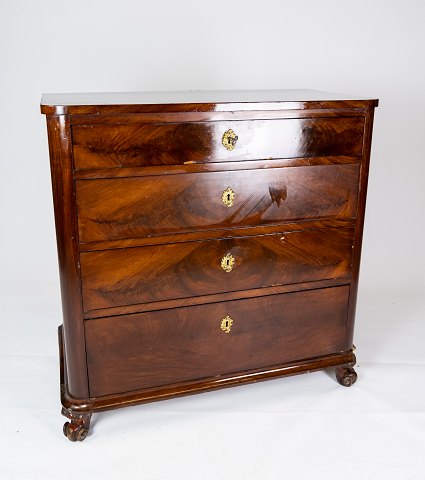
(226, 324)
(228, 197)
(228, 262)
(229, 139)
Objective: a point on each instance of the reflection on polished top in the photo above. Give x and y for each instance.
(192, 96)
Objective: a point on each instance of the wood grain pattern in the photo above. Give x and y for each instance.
(123, 172)
(216, 297)
(190, 387)
(72, 110)
(212, 116)
(161, 348)
(141, 231)
(120, 277)
(113, 209)
(218, 233)
(98, 146)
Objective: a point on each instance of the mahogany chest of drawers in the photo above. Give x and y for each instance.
(205, 239)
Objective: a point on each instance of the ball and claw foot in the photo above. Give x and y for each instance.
(77, 429)
(346, 376)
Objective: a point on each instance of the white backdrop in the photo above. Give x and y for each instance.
(370, 48)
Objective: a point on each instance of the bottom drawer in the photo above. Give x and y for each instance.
(133, 352)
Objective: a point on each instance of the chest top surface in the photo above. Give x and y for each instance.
(195, 100)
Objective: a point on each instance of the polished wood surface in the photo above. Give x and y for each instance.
(210, 234)
(142, 231)
(191, 113)
(98, 146)
(216, 297)
(250, 100)
(194, 96)
(120, 277)
(112, 209)
(188, 343)
(60, 149)
(364, 176)
(125, 172)
(135, 397)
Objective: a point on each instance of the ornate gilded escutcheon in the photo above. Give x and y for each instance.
(227, 262)
(229, 139)
(227, 197)
(226, 324)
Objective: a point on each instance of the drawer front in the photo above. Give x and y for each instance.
(152, 349)
(113, 278)
(103, 146)
(119, 208)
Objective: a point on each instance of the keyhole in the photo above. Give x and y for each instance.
(227, 323)
(228, 262)
(228, 197)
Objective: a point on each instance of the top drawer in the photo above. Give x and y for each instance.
(107, 146)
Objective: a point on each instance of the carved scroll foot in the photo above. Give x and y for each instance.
(346, 376)
(77, 429)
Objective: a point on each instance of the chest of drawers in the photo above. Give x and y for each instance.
(205, 240)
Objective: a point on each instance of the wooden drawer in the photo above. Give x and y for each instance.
(119, 208)
(121, 277)
(159, 348)
(100, 146)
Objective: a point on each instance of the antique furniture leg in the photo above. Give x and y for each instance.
(346, 375)
(77, 429)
